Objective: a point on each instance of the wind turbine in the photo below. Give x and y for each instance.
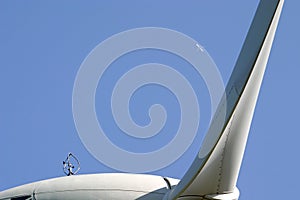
(214, 172)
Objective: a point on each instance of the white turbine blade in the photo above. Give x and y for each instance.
(214, 172)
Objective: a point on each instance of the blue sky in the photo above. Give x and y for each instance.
(43, 43)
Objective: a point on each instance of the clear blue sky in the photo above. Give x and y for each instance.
(43, 43)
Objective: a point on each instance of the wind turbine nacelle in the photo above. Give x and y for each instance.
(95, 186)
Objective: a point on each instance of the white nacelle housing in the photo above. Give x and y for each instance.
(94, 186)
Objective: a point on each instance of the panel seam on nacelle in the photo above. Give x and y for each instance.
(169, 186)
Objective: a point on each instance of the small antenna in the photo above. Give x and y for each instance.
(70, 168)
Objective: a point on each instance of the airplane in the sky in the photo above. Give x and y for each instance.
(214, 172)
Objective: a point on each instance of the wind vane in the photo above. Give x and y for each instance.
(69, 167)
